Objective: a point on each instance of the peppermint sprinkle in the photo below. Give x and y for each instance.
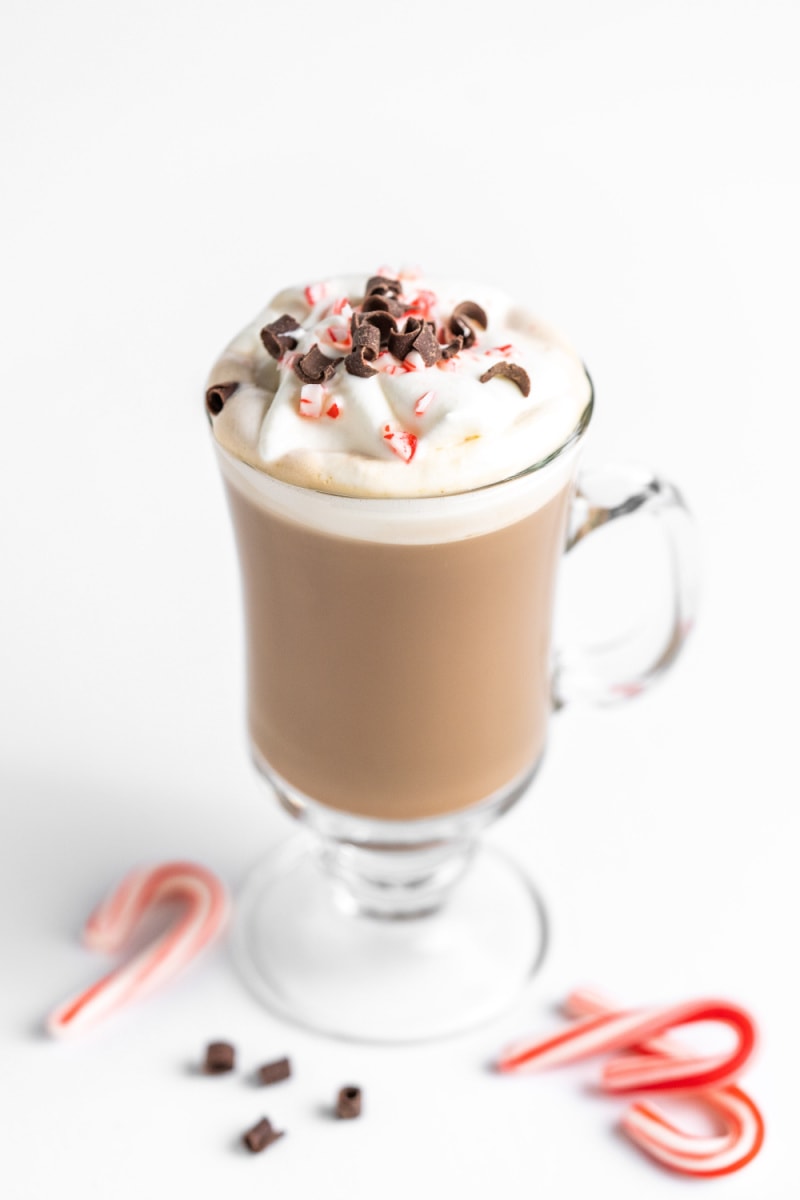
(312, 400)
(423, 404)
(404, 444)
(314, 293)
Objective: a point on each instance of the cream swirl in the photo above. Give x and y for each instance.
(408, 429)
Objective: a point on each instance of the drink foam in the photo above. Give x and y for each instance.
(409, 430)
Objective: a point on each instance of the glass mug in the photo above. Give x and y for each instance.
(400, 684)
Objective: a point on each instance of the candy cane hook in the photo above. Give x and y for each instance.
(206, 909)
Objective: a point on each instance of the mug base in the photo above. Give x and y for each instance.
(309, 959)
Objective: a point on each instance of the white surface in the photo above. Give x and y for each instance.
(633, 171)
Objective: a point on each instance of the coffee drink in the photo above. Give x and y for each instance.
(399, 459)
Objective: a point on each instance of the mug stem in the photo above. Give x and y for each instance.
(394, 884)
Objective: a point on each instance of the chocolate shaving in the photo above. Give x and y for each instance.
(383, 304)
(357, 364)
(384, 322)
(366, 337)
(220, 1058)
(452, 348)
(427, 346)
(261, 1135)
(315, 367)
(460, 327)
(217, 395)
(382, 286)
(517, 375)
(275, 335)
(400, 343)
(348, 1103)
(274, 1072)
(472, 312)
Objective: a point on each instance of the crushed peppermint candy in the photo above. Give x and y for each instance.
(424, 403)
(315, 293)
(404, 444)
(312, 400)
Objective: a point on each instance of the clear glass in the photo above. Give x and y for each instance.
(400, 683)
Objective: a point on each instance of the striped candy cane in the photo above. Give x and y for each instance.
(599, 1033)
(206, 909)
(649, 1128)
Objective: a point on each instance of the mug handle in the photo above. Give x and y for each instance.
(618, 670)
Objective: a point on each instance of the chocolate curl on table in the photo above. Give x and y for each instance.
(274, 1072)
(348, 1103)
(261, 1135)
(220, 1058)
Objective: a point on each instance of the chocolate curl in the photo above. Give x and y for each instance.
(274, 1072)
(356, 364)
(380, 285)
(367, 337)
(471, 312)
(400, 344)
(220, 1058)
(275, 335)
(459, 327)
(387, 304)
(452, 348)
(516, 374)
(217, 396)
(348, 1103)
(315, 367)
(260, 1136)
(384, 322)
(462, 320)
(427, 346)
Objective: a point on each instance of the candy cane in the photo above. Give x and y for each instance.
(689, 1153)
(110, 926)
(620, 1030)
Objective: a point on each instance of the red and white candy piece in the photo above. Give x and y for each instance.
(424, 403)
(315, 293)
(422, 304)
(312, 400)
(342, 308)
(205, 911)
(620, 1030)
(654, 1133)
(338, 336)
(403, 443)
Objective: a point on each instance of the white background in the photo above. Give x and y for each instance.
(632, 171)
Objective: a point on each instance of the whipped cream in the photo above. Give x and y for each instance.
(409, 429)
